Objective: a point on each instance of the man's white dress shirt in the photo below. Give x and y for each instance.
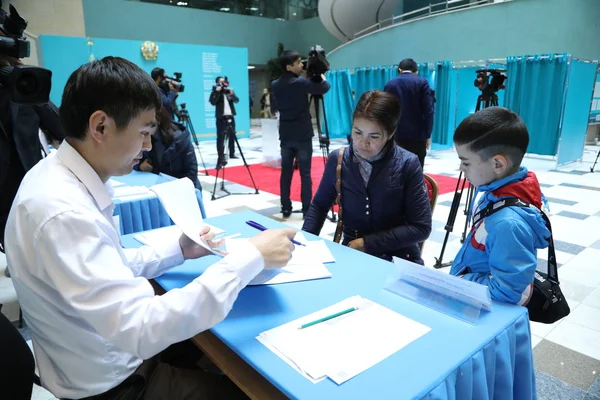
(226, 106)
(92, 313)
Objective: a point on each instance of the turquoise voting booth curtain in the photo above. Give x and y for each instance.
(535, 90)
(372, 78)
(338, 103)
(442, 127)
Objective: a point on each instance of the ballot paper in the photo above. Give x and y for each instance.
(168, 233)
(342, 347)
(131, 191)
(178, 197)
(308, 269)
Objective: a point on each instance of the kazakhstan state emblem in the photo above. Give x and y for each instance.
(149, 50)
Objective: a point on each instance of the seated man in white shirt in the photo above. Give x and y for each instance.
(92, 313)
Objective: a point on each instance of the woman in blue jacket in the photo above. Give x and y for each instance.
(385, 206)
(172, 151)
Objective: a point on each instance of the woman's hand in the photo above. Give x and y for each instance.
(357, 244)
(146, 166)
(191, 249)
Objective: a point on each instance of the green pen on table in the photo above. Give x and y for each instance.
(337, 314)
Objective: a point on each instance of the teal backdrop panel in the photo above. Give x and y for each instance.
(595, 109)
(199, 64)
(582, 79)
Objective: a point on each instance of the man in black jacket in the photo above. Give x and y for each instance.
(416, 123)
(168, 91)
(289, 97)
(223, 98)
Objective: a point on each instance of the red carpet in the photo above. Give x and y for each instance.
(267, 178)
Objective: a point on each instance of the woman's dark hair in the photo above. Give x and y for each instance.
(380, 107)
(114, 85)
(165, 126)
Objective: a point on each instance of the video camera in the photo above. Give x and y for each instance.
(176, 82)
(490, 86)
(316, 64)
(224, 86)
(25, 83)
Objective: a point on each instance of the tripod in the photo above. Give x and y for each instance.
(484, 100)
(186, 120)
(222, 162)
(323, 138)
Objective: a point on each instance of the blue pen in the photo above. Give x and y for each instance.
(262, 228)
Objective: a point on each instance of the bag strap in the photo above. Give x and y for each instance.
(515, 202)
(338, 187)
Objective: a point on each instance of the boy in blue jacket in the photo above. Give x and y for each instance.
(500, 252)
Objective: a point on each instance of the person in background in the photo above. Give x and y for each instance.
(385, 205)
(98, 329)
(168, 91)
(289, 97)
(172, 151)
(265, 103)
(415, 95)
(224, 98)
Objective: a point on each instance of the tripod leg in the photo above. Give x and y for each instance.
(595, 162)
(215, 186)
(202, 159)
(245, 163)
(451, 218)
(470, 193)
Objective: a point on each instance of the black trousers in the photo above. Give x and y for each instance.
(289, 151)
(417, 147)
(222, 130)
(173, 375)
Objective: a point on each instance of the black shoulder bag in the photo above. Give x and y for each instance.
(547, 303)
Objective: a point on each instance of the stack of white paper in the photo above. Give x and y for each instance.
(131, 192)
(168, 233)
(307, 263)
(342, 347)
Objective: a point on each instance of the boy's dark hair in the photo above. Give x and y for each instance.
(288, 58)
(157, 72)
(380, 107)
(114, 85)
(408, 64)
(492, 131)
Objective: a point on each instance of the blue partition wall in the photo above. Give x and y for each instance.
(595, 110)
(199, 64)
(580, 88)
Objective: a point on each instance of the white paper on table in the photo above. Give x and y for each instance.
(114, 183)
(291, 273)
(126, 191)
(178, 197)
(311, 252)
(168, 233)
(345, 346)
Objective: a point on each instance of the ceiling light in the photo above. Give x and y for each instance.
(280, 19)
(294, 14)
(182, 3)
(224, 9)
(252, 8)
(251, 67)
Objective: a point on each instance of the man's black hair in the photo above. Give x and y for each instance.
(157, 72)
(408, 64)
(114, 85)
(492, 131)
(217, 79)
(288, 58)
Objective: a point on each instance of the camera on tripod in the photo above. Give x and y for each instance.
(25, 83)
(490, 81)
(316, 64)
(176, 82)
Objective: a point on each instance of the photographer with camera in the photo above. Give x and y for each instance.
(223, 98)
(289, 98)
(169, 90)
(24, 110)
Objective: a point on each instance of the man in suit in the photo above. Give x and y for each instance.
(223, 98)
(416, 123)
(289, 97)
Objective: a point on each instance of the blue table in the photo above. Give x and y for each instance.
(455, 360)
(146, 213)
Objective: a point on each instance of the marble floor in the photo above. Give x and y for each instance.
(567, 353)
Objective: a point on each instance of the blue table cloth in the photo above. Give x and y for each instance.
(455, 360)
(142, 214)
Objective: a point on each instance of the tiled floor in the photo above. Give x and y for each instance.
(567, 353)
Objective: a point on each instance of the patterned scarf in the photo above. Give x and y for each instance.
(365, 166)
